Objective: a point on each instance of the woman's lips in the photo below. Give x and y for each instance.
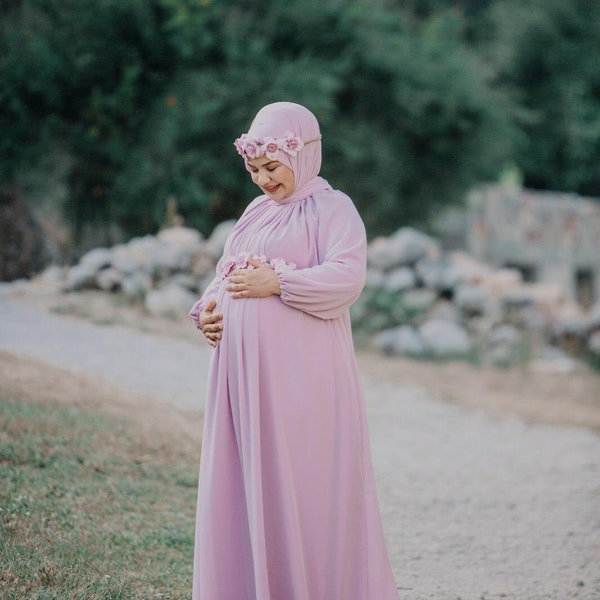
(272, 190)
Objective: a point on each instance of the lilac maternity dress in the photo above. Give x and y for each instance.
(287, 507)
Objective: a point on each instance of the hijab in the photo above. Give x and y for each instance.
(276, 121)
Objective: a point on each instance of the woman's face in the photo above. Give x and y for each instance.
(272, 177)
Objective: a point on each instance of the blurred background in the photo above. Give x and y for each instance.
(477, 123)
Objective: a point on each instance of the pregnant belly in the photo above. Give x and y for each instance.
(253, 318)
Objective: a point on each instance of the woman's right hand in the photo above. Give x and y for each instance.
(210, 323)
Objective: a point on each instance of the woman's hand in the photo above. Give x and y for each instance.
(260, 282)
(210, 323)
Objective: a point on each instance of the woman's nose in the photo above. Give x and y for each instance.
(263, 178)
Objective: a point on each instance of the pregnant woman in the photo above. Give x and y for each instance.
(287, 506)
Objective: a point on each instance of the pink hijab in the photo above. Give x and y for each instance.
(276, 120)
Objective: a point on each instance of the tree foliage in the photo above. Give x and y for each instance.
(417, 100)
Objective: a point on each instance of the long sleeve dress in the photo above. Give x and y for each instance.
(287, 506)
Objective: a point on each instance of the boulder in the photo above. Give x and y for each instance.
(136, 285)
(505, 347)
(374, 279)
(502, 282)
(402, 340)
(468, 268)
(202, 264)
(80, 277)
(109, 279)
(96, 259)
(438, 274)
(171, 301)
(123, 259)
(170, 259)
(215, 244)
(471, 299)
(405, 247)
(553, 361)
(593, 318)
(417, 300)
(593, 343)
(444, 339)
(444, 310)
(399, 280)
(182, 237)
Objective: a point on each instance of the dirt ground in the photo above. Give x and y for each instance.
(564, 399)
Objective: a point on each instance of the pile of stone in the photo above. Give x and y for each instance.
(166, 272)
(419, 301)
(422, 302)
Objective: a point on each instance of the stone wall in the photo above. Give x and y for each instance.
(550, 237)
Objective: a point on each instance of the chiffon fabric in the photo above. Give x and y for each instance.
(287, 505)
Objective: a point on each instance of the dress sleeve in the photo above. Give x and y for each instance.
(327, 289)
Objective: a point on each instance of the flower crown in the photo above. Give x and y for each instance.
(270, 147)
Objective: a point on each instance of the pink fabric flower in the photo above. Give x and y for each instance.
(271, 148)
(240, 261)
(292, 144)
(252, 149)
(240, 144)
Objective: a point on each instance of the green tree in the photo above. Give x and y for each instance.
(146, 97)
(548, 51)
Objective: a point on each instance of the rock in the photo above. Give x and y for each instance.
(505, 347)
(399, 280)
(506, 334)
(534, 319)
(418, 300)
(444, 339)
(405, 247)
(182, 237)
(183, 280)
(202, 264)
(136, 285)
(215, 244)
(53, 274)
(123, 259)
(171, 302)
(109, 279)
(553, 361)
(438, 274)
(445, 311)
(468, 268)
(399, 340)
(471, 299)
(146, 253)
(593, 318)
(169, 258)
(502, 282)
(96, 259)
(79, 277)
(375, 279)
(593, 343)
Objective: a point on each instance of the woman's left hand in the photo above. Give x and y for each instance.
(260, 282)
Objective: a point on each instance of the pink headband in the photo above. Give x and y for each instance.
(253, 148)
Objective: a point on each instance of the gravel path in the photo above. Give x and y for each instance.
(473, 508)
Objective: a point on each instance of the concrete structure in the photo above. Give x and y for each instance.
(550, 237)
